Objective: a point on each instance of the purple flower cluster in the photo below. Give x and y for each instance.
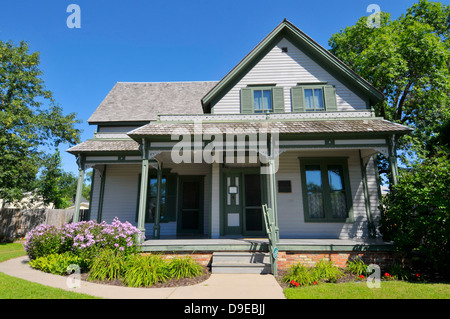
(81, 237)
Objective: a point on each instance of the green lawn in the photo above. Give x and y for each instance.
(15, 288)
(355, 290)
(12, 250)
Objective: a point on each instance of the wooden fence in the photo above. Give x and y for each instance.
(16, 223)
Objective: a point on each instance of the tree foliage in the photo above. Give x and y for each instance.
(30, 121)
(417, 212)
(408, 59)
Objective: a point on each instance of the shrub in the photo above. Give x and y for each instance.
(417, 213)
(84, 239)
(109, 264)
(57, 263)
(145, 270)
(299, 274)
(356, 267)
(185, 267)
(45, 240)
(326, 271)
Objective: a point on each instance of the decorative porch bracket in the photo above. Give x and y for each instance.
(393, 159)
(81, 169)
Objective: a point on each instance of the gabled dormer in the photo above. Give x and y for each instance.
(289, 72)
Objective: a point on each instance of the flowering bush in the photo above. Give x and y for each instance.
(83, 238)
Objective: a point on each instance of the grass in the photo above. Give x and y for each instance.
(11, 250)
(359, 290)
(16, 288)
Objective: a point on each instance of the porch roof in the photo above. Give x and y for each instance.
(284, 127)
(114, 146)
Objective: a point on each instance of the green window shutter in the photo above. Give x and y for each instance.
(330, 98)
(171, 198)
(278, 99)
(246, 101)
(297, 99)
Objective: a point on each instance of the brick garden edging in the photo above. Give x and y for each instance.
(288, 258)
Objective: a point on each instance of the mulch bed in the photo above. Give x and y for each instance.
(169, 284)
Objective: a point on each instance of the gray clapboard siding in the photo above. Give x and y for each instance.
(290, 205)
(286, 70)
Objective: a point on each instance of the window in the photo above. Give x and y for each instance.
(168, 197)
(314, 100)
(262, 101)
(326, 190)
(312, 97)
(152, 194)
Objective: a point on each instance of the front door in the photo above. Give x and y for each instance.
(190, 212)
(242, 211)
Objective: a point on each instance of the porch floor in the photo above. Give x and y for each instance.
(261, 244)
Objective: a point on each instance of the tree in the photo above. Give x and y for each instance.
(30, 121)
(54, 184)
(408, 59)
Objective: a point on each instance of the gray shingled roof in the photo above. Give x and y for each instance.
(142, 102)
(284, 127)
(105, 146)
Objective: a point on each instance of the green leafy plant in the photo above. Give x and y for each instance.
(109, 264)
(326, 271)
(145, 270)
(184, 267)
(398, 272)
(57, 263)
(356, 266)
(417, 214)
(300, 275)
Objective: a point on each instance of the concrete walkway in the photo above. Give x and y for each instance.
(218, 286)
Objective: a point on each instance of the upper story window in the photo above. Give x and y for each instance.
(262, 101)
(312, 97)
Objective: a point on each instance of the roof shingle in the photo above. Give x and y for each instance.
(142, 102)
(283, 127)
(105, 146)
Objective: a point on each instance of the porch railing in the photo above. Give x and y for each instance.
(272, 234)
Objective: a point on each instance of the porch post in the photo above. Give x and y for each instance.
(81, 167)
(370, 226)
(144, 185)
(273, 185)
(156, 226)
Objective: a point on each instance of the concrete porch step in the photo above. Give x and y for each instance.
(240, 263)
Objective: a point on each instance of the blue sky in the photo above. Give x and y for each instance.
(157, 41)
